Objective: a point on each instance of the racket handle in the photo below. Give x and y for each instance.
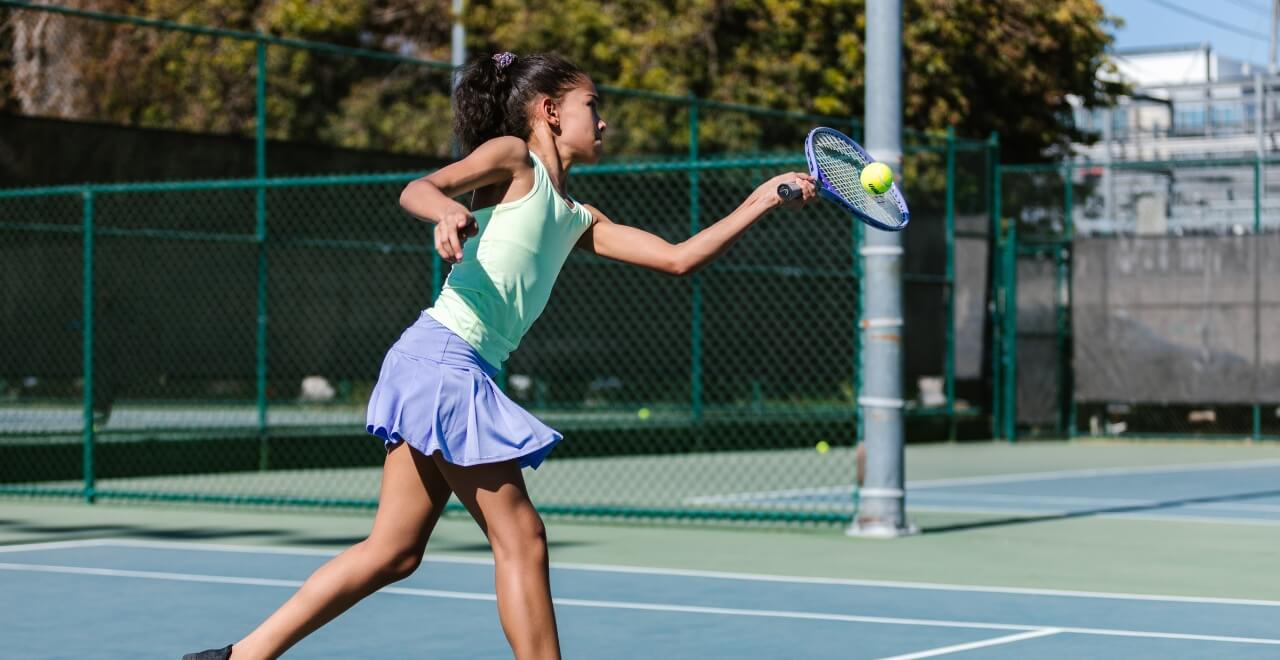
(789, 191)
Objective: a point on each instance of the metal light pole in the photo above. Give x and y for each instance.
(1275, 18)
(881, 512)
(459, 40)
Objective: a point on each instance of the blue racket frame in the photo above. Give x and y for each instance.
(827, 190)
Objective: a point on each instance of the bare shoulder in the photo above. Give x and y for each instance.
(507, 153)
(497, 161)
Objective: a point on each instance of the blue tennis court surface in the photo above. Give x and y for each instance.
(1240, 492)
(107, 598)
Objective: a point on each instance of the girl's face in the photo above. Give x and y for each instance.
(581, 128)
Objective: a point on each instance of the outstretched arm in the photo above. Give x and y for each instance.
(641, 248)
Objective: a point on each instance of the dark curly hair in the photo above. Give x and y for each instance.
(494, 91)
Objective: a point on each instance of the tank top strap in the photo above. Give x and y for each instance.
(540, 175)
(583, 214)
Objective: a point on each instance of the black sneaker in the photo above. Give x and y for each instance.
(211, 654)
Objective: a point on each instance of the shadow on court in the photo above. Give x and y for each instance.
(1097, 511)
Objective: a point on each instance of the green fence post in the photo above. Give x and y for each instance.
(695, 334)
(1066, 361)
(858, 312)
(997, 290)
(1010, 354)
(1004, 272)
(856, 256)
(260, 235)
(87, 347)
(949, 359)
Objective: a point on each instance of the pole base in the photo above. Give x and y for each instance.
(878, 529)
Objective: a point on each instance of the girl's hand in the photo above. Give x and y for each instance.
(453, 228)
(768, 191)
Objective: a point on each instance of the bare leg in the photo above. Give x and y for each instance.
(413, 496)
(497, 498)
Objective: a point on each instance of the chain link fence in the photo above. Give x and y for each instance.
(216, 340)
(1145, 298)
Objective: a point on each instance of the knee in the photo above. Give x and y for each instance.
(394, 562)
(522, 535)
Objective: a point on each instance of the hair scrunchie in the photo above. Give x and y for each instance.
(504, 60)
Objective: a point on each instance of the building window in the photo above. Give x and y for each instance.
(1187, 119)
(1229, 115)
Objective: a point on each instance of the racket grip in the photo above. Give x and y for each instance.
(789, 191)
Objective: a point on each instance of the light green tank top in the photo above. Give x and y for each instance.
(493, 297)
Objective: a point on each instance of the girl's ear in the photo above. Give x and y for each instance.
(547, 109)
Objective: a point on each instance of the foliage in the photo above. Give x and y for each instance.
(1006, 66)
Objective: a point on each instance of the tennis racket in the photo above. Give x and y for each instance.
(836, 162)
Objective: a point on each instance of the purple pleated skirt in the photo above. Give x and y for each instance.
(436, 393)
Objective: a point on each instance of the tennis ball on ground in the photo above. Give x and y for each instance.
(643, 413)
(877, 178)
(822, 447)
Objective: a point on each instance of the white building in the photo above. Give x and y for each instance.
(1187, 103)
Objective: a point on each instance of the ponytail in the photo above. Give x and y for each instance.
(493, 94)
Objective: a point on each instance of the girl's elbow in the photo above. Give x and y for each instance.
(679, 266)
(413, 202)
(406, 195)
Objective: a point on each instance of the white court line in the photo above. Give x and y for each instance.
(1209, 520)
(1097, 501)
(1016, 477)
(651, 607)
(1223, 506)
(716, 575)
(1046, 499)
(1091, 502)
(771, 494)
(1174, 512)
(977, 645)
(1096, 472)
(54, 545)
(1146, 517)
(914, 503)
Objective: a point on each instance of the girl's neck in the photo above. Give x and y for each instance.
(544, 147)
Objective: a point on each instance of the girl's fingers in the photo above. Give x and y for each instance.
(447, 245)
(451, 231)
(454, 244)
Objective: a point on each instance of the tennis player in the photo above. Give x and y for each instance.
(523, 122)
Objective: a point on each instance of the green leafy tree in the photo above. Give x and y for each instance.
(1006, 66)
(158, 78)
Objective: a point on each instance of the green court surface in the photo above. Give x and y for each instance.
(1226, 550)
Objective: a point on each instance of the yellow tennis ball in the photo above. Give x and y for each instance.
(643, 413)
(877, 178)
(822, 447)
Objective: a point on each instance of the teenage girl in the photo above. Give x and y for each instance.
(522, 122)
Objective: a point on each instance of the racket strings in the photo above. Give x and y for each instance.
(842, 166)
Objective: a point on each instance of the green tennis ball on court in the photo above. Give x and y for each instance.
(643, 413)
(877, 178)
(822, 447)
